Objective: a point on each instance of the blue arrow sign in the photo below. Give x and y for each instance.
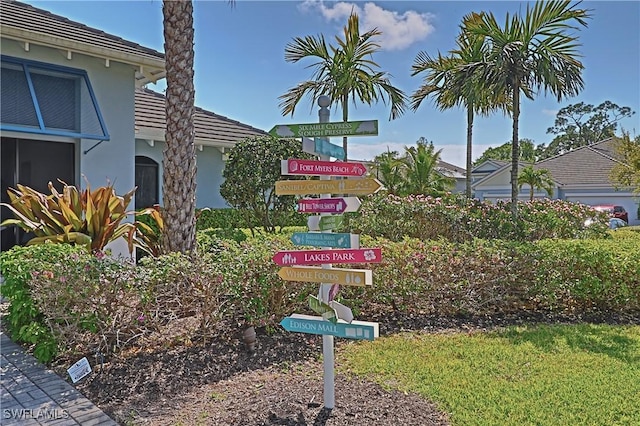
(324, 147)
(358, 330)
(319, 239)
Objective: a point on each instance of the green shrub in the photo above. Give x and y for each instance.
(585, 275)
(91, 303)
(25, 320)
(459, 219)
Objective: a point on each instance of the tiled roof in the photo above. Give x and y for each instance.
(210, 128)
(587, 165)
(28, 24)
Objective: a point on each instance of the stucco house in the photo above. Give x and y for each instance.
(74, 105)
(580, 175)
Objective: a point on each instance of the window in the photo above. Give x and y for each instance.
(147, 182)
(48, 99)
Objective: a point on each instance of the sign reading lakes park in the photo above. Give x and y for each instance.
(340, 128)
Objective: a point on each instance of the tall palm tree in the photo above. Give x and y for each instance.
(421, 175)
(536, 179)
(345, 72)
(451, 85)
(528, 53)
(179, 156)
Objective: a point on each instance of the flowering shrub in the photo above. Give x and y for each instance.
(459, 219)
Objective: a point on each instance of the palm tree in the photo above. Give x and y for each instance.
(179, 156)
(388, 169)
(451, 85)
(536, 179)
(421, 171)
(528, 54)
(344, 73)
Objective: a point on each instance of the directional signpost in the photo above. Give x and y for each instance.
(329, 205)
(311, 130)
(336, 319)
(310, 274)
(359, 330)
(320, 257)
(295, 166)
(317, 239)
(343, 186)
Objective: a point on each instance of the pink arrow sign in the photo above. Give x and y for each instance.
(319, 257)
(328, 205)
(294, 166)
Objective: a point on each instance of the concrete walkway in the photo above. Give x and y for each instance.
(33, 395)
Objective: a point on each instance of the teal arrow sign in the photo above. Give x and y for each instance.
(358, 330)
(322, 146)
(313, 130)
(317, 239)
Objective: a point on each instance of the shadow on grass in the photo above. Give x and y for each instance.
(608, 340)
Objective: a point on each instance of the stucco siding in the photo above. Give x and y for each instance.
(114, 90)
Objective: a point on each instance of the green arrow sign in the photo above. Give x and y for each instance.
(324, 223)
(319, 307)
(340, 128)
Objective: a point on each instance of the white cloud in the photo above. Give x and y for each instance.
(399, 30)
(551, 112)
(452, 153)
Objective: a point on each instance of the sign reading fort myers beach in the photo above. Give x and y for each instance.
(340, 128)
(318, 257)
(310, 274)
(294, 166)
(360, 330)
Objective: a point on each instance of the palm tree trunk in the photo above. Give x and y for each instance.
(345, 118)
(469, 148)
(515, 152)
(179, 156)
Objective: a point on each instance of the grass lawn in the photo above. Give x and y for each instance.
(528, 375)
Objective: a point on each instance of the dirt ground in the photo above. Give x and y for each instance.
(279, 383)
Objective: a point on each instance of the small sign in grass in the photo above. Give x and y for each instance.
(537, 375)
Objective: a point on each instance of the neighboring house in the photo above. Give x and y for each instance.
(455, 172)
(580, 175)
(73, 106)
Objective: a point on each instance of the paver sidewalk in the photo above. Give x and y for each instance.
(33, 395)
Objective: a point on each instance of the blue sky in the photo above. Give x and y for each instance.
(240, 69)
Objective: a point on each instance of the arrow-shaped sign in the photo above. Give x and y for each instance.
(359, 330)
(320, 257)
(340, 128)
(344, 313)
(310, 274)
(322, 146)
(294, 166)
(323, 309)
(328, 205)
(318, 239)
(342, 186)
(324, 223)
